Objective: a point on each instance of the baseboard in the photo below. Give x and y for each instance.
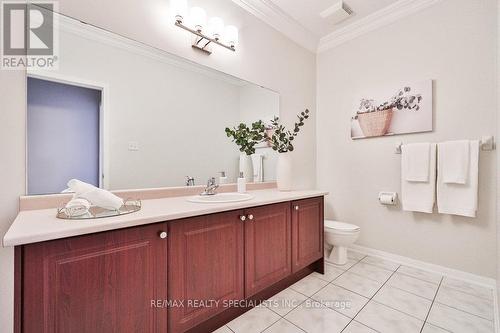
(449, 272)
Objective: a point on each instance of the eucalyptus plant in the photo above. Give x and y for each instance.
(402, 100)
(246, 138)
(281, 139)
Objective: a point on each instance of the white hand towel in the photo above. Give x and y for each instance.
(78, 186)
(454, 161)
(459, 199)
(420, 196)
(416, 161)
(102, 198)
(96, 196)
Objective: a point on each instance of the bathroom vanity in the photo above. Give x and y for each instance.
(188, 269)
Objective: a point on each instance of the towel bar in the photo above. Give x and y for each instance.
(487, 143)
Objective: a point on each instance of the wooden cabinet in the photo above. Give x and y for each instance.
(267, 246)
(119, 281)
(206, 267)
(307, 232)
(103, 282)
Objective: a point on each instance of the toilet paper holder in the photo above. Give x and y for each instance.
(388, 198)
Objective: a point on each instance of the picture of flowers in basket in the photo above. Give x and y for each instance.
(408, 111)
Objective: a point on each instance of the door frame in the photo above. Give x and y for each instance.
(103, 117)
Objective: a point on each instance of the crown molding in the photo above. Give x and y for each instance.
(378, 19)
(281, 21)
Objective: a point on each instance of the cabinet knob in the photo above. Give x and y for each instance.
(243, 217)
(250, 217)
(163, 234)
(297, 207)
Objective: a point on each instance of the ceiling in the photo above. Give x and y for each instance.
(300, 20)
(307, 13)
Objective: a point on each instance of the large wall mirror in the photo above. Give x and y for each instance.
(121, 115)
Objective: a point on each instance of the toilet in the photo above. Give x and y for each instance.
(338, 236)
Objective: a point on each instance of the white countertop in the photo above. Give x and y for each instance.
(41, 225)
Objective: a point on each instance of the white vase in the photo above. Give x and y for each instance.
(246, 167)
(284, 172)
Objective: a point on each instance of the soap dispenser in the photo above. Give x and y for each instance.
(242, 183)
(222, 178)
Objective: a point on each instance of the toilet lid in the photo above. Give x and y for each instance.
(340, 225)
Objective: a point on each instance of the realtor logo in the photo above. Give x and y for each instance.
(29, 34)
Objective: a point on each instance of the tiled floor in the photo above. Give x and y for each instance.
(371, 295)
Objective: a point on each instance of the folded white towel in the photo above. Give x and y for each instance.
(96, 196)
(459, 199)
(420, 196)
(454, 161)
(416, 161)
(77, 207)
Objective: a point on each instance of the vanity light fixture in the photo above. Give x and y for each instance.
(205, 34)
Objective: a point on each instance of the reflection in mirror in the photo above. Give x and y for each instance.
(120, 115)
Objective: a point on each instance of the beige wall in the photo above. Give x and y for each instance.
(453, 43)
(264, 57)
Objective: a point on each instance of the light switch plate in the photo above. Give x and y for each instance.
(133, 146)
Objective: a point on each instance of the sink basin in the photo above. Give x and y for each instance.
(221, 198)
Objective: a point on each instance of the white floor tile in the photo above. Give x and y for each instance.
(283, 326)
(382, 263)
(358, 284)
(420, 274)
(309, 285)
(355, 255)
(223, 329)
(458, 321)
(372, 272)
(413, 285)
(346, 266)
(313, 317)
(254, 321)
(387, 320)
(285, 301)
(468, 288)
(341, 300)
(403, 301)
(478, 306)
(355, 327)
(428, 328)
(331, 273)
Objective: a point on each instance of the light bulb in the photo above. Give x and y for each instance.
(216, 27)
(198, 18)
(231, 35)
(179, 9)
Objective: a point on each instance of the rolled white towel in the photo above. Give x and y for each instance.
(77, 207)
(78, 186)
(96, 196)
(102, 198)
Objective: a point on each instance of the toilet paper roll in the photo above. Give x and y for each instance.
(387, 198)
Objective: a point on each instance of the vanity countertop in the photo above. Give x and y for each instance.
(42, 225)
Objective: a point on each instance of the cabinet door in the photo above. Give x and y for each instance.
(205, 267)
(307, 232)
(267, 246)
(104, 282)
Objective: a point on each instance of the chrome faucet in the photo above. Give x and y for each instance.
(211, 187)
(189, 181)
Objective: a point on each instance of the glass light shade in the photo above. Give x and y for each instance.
(231, 35)
(179, 9)
(198, 18)
(216, 27)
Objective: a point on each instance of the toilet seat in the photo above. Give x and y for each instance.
(341, 226)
